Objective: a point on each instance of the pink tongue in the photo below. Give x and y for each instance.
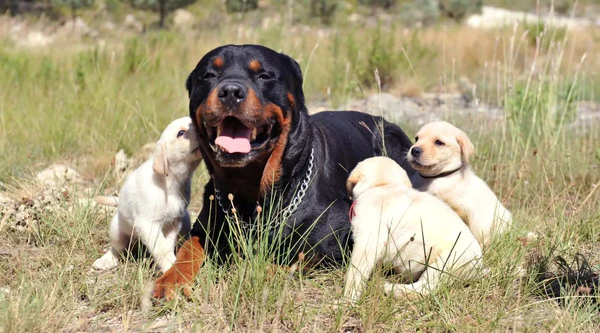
(234, 138)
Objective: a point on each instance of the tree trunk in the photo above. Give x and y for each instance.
(313, 7)
(162, 7)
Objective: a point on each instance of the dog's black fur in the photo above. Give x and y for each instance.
(577, 281)
(339, 139)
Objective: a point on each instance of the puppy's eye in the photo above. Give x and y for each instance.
(209, 76)
(416, 138)
(263, 76)
(180, 133)
(439, 143)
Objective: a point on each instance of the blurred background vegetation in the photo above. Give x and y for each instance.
(122, 64)
(326, 12)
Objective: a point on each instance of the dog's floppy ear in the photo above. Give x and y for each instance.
(297, 72)
(189, 84)
(159, 164)
(466, 146)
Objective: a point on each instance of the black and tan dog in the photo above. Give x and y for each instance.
(256, 137)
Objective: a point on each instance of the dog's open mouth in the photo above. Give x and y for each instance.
(231, 136)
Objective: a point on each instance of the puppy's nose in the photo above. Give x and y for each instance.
(416, 151)
(232, 94)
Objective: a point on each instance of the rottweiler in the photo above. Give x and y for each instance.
(257, 139)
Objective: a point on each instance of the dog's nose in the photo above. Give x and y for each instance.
(416, 151)
(232, 94)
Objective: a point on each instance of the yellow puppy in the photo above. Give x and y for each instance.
(441, 155)
(418, 233)
(154, 199)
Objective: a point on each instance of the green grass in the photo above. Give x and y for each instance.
(80, 105)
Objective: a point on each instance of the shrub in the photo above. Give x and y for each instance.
(135, 55)
(459, 9)
(425, 12)
(162, 7)
(381, 55)
(391, 61)
(323, 9)
(239, 6)
(74, 5)
(115, 8)
(385, 4)
(540, 108)
(563, 7)
(544, 34)
(308, 11)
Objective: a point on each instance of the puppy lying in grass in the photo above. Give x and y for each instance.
(441, 155)
(153, 201)
(419, 234)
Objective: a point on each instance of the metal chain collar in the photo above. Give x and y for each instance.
(287, 212)
(291, 208)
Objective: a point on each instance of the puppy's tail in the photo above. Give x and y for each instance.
(110, 201)
(577, 280)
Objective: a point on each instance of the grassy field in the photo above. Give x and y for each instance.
(79, 105)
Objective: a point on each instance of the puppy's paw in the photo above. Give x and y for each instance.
(400, 290)
(388, 288)
(107, 261)
(166, 263)
(343, 303)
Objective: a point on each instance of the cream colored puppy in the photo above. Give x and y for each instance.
(153, 201)
(441, 155)
(419, 234)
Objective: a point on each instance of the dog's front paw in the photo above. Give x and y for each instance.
(107, 261)
(171, 281)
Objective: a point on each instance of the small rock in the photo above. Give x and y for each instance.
(132, 23)
(122, 163)
(147, 150)
(34, 39)
(493, 18)
(77, 26)
(109, 26)
(4, 200)
(183, 20)
(271, 21)
(391, 107)
(58, 174)
(418, 110)
(354, 18)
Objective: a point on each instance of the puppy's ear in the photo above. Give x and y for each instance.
(159, 164)
(466, 146)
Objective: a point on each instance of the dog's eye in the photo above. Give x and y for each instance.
(209, 76)
(439, 143)
(263, 76)
(416, 138)
(180, 133)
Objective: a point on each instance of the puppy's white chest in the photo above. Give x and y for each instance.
(174, 208)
